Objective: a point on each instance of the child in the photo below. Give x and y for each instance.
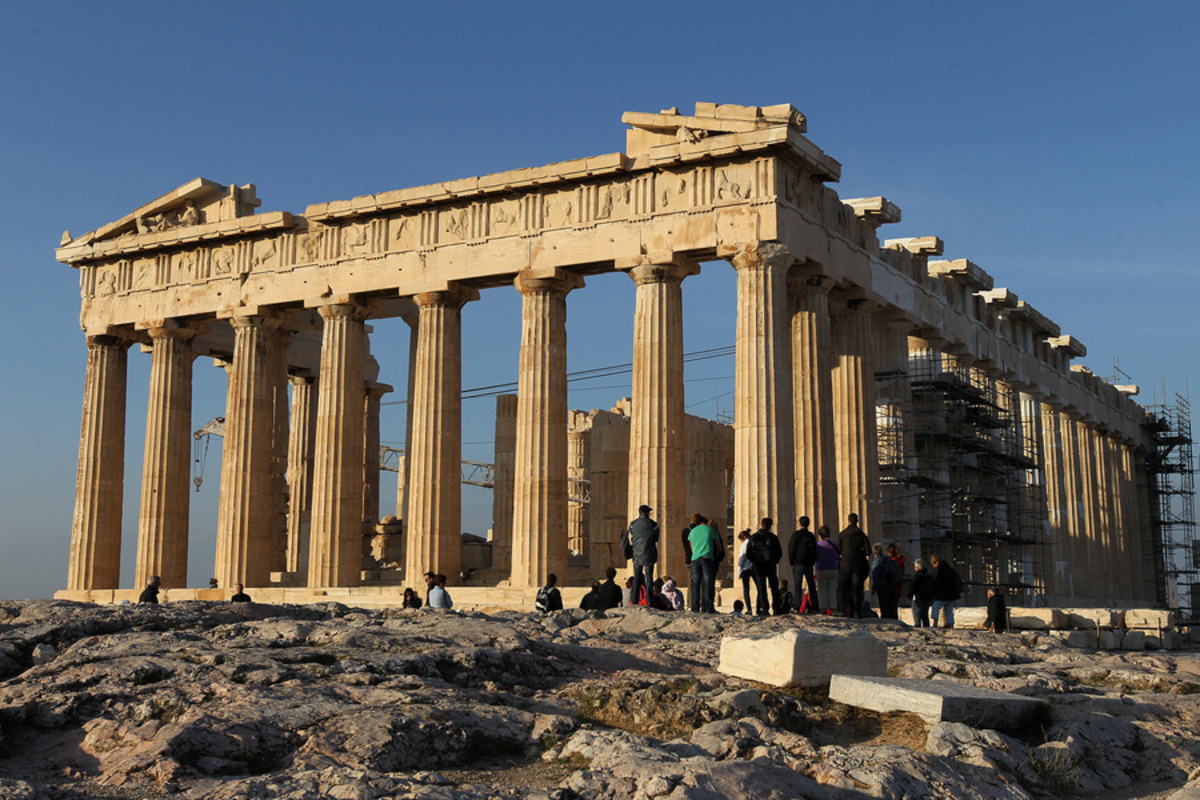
(739, 607)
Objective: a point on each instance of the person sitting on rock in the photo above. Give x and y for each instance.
(549, 598)
(411, 599)
(240, 596)
(672, 594)
(438, 596)
(610, 593)
(150, 593)
(591, 600)
(739, 607)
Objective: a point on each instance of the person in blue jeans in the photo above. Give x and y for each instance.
(921, 592)
(947, 589)
(706, 547)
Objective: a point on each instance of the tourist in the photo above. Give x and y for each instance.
(627, 592)
(739, 607)
(438, 596)
(745, 570)
(827, 571)
(802, 556)
(786, 600)
(641, 545)
(764, 553)
(853, 567)
(947, 589)
(150, 593)
(591, 600)
(411, 599)
(997, 611)
(610, 593)
(707, 549)
(549, 598)
(921, 592)
(656, 599)
(212, 583)
(894, 554)
(672, 594)
(240, 596)
(885, 576)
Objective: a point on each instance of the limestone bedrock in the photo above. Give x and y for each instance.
(937, 701)
(798, 658)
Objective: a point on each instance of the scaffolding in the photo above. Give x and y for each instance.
(1172, 507)
(960, 474)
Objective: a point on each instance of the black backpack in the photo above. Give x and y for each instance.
(758, 550)
(806, 548)
(542, 603)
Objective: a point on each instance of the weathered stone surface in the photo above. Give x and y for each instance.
(1037, 619)
(1152, 618)
(937, 701)
(796, 658)
(1088, 618)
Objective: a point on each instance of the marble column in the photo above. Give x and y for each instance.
(413, 320)
(1035, 490)
(855, 426)
(1120, 550)
(371, 400)
(245, 517)
(1136, 543)
(301, 443)
(1074, 507)
(764, 443)
(899, 503)
(434, 520)
(577, 470)
(812, 393)
(502, 483)
(335, 547)
(277, 381)
(163, 521)
(1057, 516)
(1092, 587)
(656, 426)
(539, 543)
(99, 481)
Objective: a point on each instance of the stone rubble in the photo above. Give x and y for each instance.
(215, 701)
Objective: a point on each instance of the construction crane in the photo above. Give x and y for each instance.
(474, 473)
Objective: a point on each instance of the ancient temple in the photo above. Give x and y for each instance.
(870, 376)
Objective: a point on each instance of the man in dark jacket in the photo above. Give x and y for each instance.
(765, 553)
(642, 540)
(853, 567)
(802, 556)
(947, 589)
(150, 593)
(610, 593)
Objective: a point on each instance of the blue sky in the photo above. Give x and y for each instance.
(1052, 143)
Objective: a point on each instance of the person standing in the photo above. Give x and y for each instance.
(240, 596)
(641, 545)
(921, 592)
(885, 577)
(827, 571)
(802, 556)
(707, 549)
(997, 611)
(764, 553)
(745, 570)
(853, 566)
(150, 593)
(947, 589)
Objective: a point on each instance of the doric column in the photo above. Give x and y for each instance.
(96, 528)
(434, 520)
(1092, 586)
(656, 426)
(899, 504)
(1035, 489)
(812, 392)
(277, 383)
(163, 521)
(1074, 506)
(577, 470)
(1135, 527)
(335, 549)
(413, 320)
(245, 518)
(1057, 516)
(502, 482)
(1120, 550)
(540, 475)
(371, 399)
(856, 433)
(302, 435)
(763, 443)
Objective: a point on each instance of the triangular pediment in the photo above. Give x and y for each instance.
(196, 202)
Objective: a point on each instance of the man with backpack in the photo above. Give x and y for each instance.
(802, 556)
(764, 553)
(549, 598)
(640, 543)
(854, 566)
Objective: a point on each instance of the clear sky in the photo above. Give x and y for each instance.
(1054, 144)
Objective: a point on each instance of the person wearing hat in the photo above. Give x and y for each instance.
(640, 543)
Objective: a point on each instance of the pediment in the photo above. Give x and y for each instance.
(196, 202)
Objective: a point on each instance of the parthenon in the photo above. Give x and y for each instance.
(871, 377)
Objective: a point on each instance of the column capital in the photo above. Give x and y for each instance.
(553, 280)
(110, 340)
(757, 255)
(354, 312)
(652, 270)
(454, 295)
(842, 305)
(808, 277)
(172, 329)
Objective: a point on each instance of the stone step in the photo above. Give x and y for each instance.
(937, 701)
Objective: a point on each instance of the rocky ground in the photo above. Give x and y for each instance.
(225, 702)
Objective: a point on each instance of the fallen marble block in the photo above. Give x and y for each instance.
(800, 658)
(937, 701)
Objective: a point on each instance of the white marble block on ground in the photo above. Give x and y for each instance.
(937, 701)
(1037, 619)
(1151, 618)
(1087, 618)
(799, 658)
